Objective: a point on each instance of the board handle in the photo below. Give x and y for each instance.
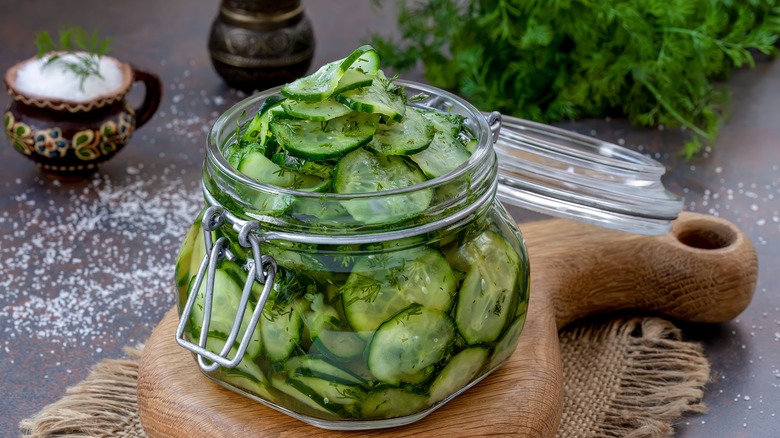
(704, 270)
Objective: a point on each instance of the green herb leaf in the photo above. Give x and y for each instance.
(86, 47)
(657, 62)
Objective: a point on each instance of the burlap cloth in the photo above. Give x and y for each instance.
(622, 378)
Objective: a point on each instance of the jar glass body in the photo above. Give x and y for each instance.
(384, 306)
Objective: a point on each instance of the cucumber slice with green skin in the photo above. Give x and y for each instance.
(280, 328)
(339, 345)
(321, 84)
(363, 172)
(327, 331)
(246, 366)
(485, 301)
(409, 136)
(326, 212)
(324, 140)
(459, 371)
(286, 161)
(506, 346)
(311, 183)
(375, 100)
(315, 367)
(367, 63)
(257, 130)
(317, 111)
(255, 165)
(471, 146)
(190, 255)
(442, 156)
(410, 343)
(392, 402)
(380, 286)
(330, 392)
(247, 383)
(305, 395)
(266, 204)
(225, 301)
(353, 79)
(445, 123)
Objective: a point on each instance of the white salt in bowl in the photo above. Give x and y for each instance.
(56, 88)
(70, 127)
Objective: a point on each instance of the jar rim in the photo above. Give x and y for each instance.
(483, 154)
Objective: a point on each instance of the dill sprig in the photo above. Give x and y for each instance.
(657, 62)
(86, 47)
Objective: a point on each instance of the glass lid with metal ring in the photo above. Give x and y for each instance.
(573, 176)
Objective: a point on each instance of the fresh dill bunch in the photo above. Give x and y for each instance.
(86, 47)
(657, 62)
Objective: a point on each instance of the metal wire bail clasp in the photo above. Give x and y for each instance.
(262, 269)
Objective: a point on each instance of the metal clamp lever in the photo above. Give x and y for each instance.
(261, 269)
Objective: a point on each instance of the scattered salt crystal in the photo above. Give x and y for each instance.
(82, 280)
(56, 81)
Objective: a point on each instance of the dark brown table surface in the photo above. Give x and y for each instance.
(108, 285)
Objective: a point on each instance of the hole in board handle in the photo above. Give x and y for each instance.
(706, 235)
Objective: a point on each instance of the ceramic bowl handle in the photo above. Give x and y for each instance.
(151, 98)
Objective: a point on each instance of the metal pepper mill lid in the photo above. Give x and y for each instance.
(258, 44)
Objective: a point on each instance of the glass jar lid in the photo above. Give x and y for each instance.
(573, 176)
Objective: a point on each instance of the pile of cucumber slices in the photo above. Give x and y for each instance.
(348, 129)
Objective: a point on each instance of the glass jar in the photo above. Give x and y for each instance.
(372, 310)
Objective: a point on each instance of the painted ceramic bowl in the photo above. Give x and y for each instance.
(70, 139)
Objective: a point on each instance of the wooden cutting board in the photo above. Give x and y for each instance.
(704, 270)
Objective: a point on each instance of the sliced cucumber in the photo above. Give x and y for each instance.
(485, 300)
(443, 155)
(409, 136)
(363, 172)
(328, 334)
(330, 392)
(380, 286)
(317, 111)
(323, 211)
(280, 328)
(367, 63)
(256, 165)
(507, 344)
(374, 99)
(247, 383)
(286, 161)
(353, 79)
(246, 366)
(339, 345)
(445, 123)
(298, 263)
(409, 344)
(266, 204)
(324, 140)
(459, 371)
(305, 395)
(471, 145)
(392, 402)
(311, 183)
(190, 255)
(315, 367)
(225, 301)
(321, 84)
(368, 302)
(257, 130)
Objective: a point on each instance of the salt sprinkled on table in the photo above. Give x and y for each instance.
(56, 81)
